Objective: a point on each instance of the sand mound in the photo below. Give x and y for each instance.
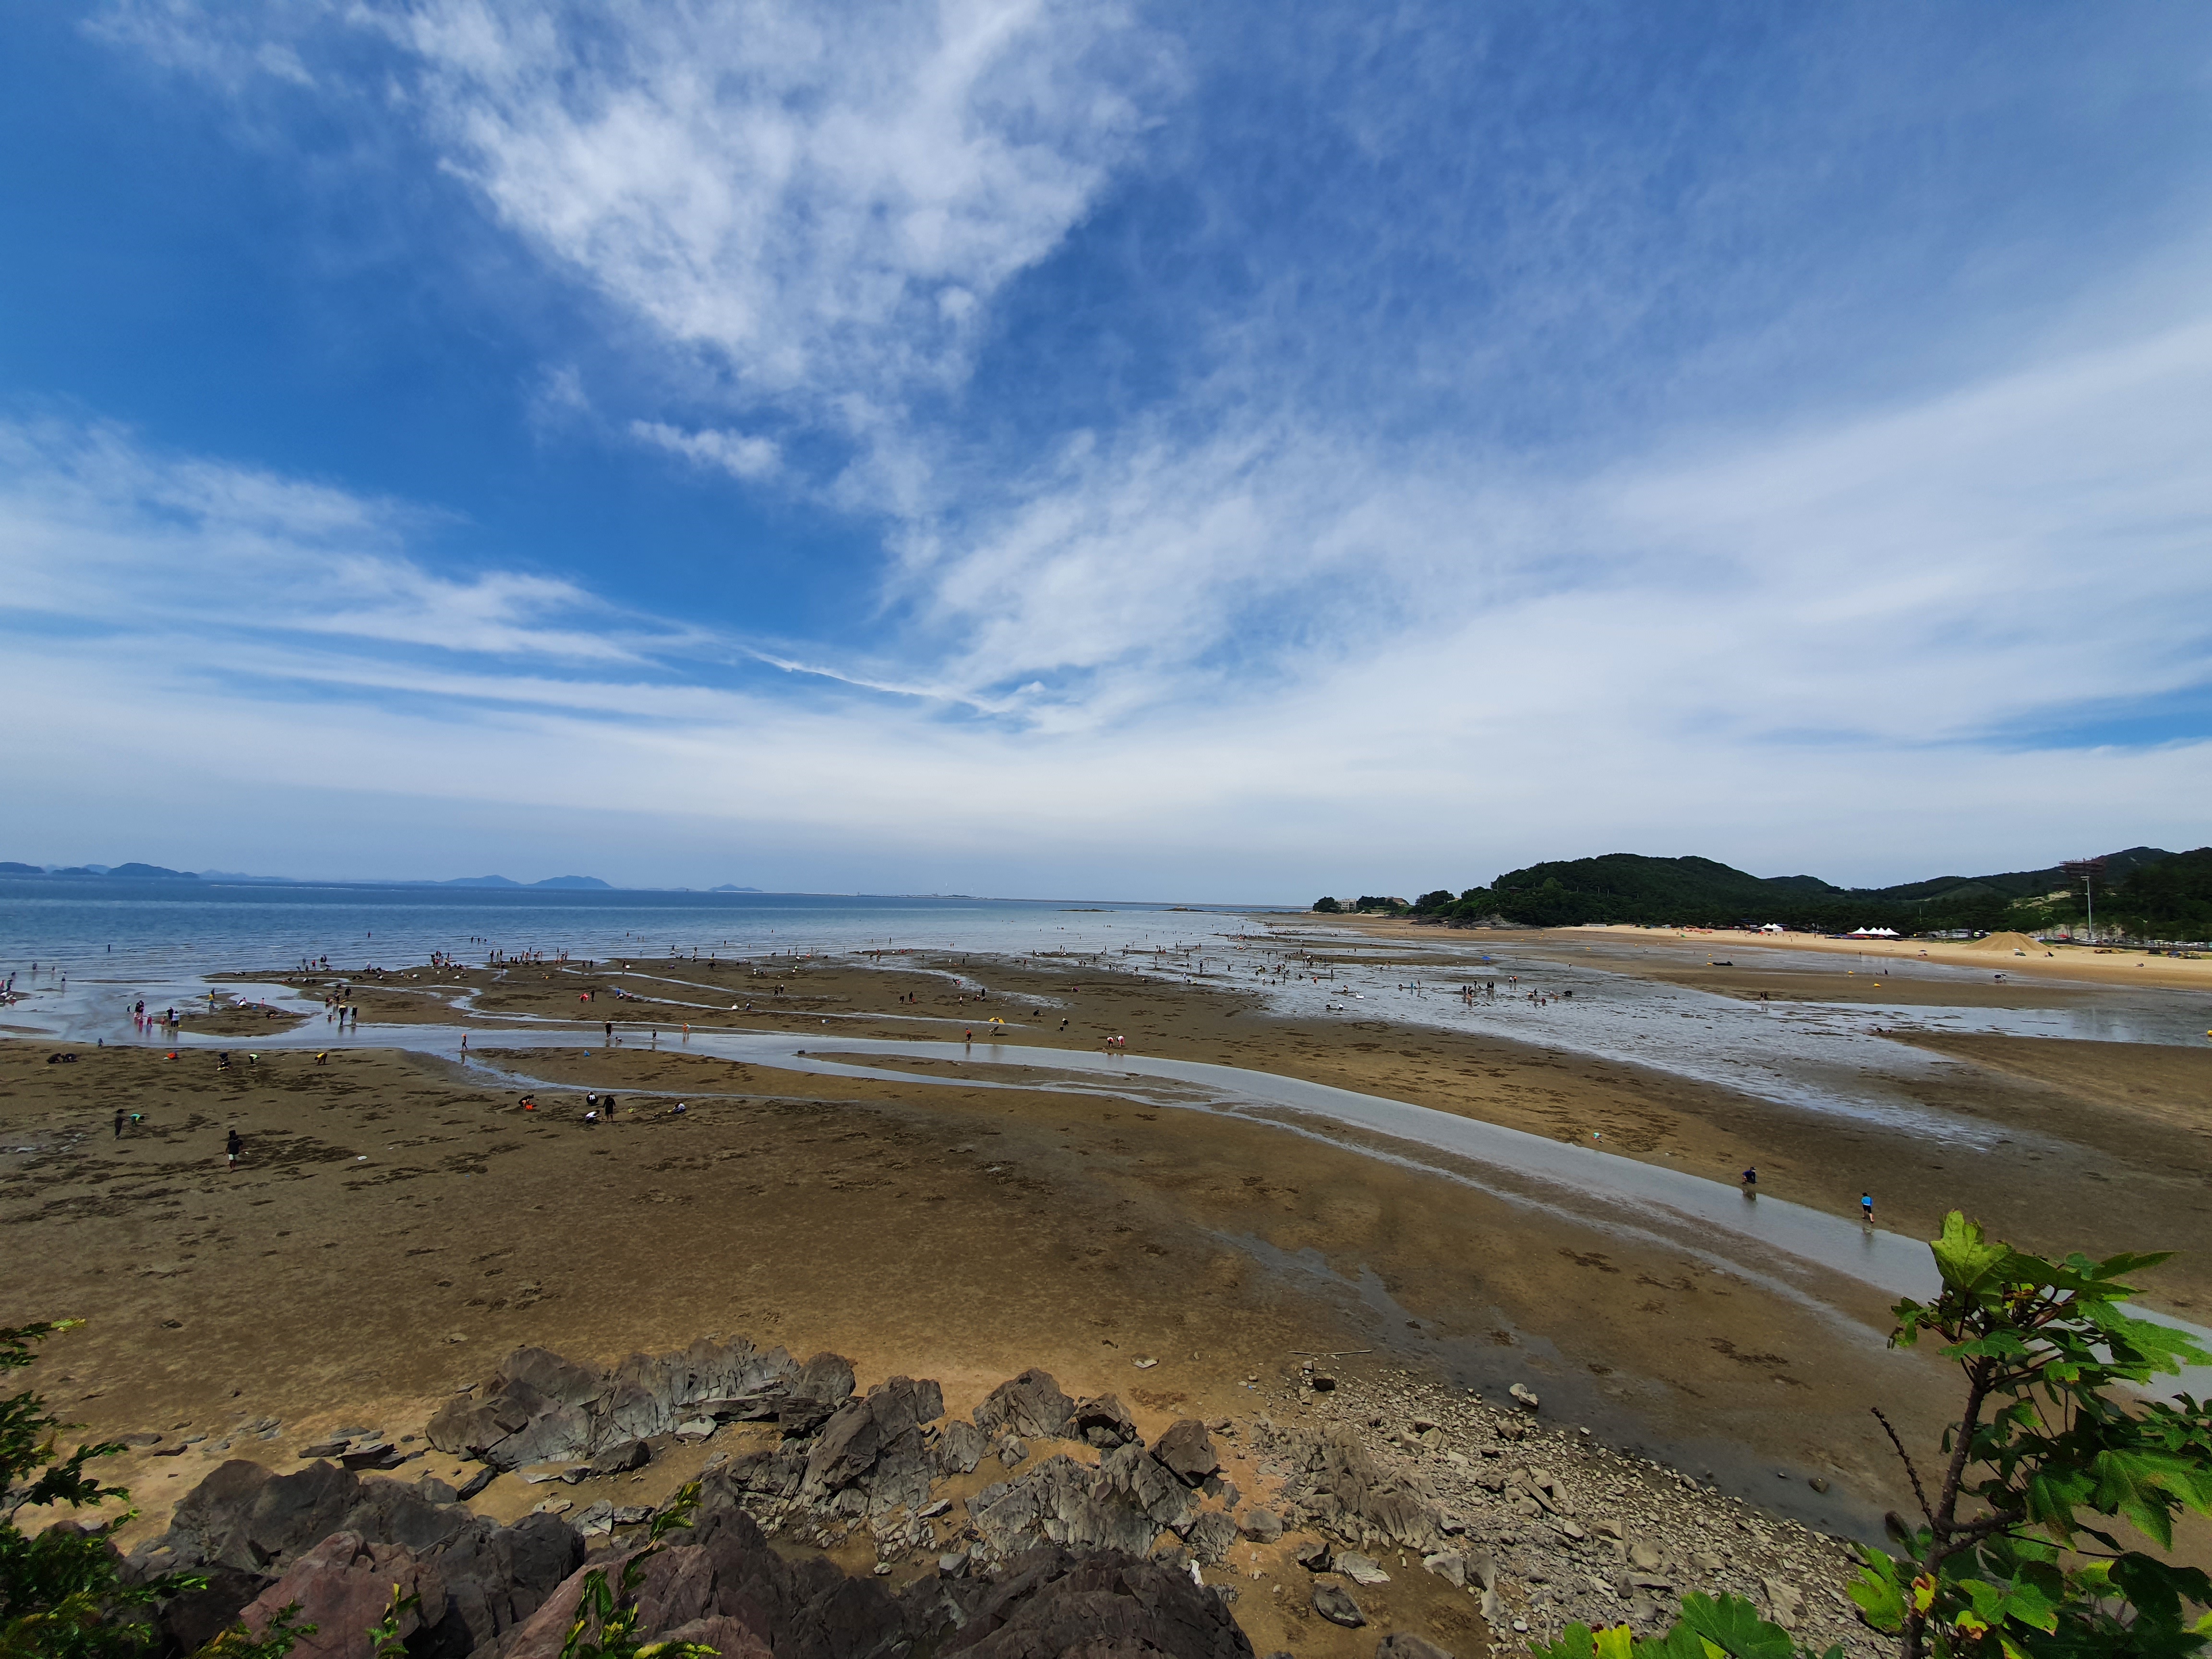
(2006, 944)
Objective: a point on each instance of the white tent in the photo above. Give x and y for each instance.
(1872, 932)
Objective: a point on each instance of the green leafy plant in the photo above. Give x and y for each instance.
(385, 1641)
(607, 1615)
(2017, 1541)
(274, 1641)
(2016, 1554)
(1711, 1627)
(62, 1594)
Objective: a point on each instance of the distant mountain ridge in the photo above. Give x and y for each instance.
(159, 872)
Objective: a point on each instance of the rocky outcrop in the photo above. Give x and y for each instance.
(1054, 1602)
(874, 1456)
(246, 1530)
(1187, 1450)
(1150, 1486)
(1346, 1487)
(1060, 1502)
(539, 1407)
(1104, 1423)
(1031, 1406)
(342, 1586)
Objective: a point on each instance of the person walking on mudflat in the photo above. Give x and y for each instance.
(1750, 1183)
(232, 1145)
(1866, 1208)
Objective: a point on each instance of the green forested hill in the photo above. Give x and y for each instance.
(1630, 887)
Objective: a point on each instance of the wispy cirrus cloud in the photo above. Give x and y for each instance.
(103, 531)
(734, 453)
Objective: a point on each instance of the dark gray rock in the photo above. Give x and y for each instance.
(246, 1528)
(961, 1448)
(767, 1477)
(1104, 1423)
(539, 1408)
(1187, 1449)
(1211, 1537)
(1261, 1526)
(1106, 1606)
(1333, 1603)
(1060, 1502)
(1031, 1405)
(621, 1458)
(495, 1577)
(341, 1587)
(876, 1444)
(559, 1382)
(1147, 1484)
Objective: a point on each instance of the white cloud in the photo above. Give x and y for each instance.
(733, 452)
(822, 195)
(97, 530)
(1265, 667)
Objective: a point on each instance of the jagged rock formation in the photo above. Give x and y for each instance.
(247, 1529)
(1066, 1557)
(539, 1407)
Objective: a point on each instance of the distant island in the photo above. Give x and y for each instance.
(566, 883)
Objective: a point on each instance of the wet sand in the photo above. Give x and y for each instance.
(400, 1221)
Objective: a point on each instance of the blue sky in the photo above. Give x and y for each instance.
(1221, 453)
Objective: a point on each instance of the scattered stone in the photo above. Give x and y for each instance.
(477, 1482)
(1451, 1568)
(1333, 1603)
(1785, 1601)
(1322, 1382)
(1525, 1397)
(1262, 1526)
(621, 1458)
(1360, 1569)
(1313, 1555)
